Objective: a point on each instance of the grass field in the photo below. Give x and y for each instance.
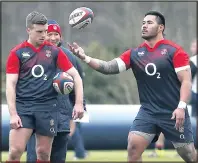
(116, 155)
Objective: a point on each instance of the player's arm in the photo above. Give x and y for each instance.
(104, 67)
(65, 65)
(12, 70)
(182, 68)
(81, 73)
(11, 81)
(75, 63)
(114, 66)
(184, 77)
(78, 85)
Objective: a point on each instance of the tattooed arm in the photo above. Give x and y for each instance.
(114, 66)
(110, 67)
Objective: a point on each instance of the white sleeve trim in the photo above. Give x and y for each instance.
(194, 59)
(121, 64)
(181, 68)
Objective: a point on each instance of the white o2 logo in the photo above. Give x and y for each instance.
(154, 70)
(41, 72)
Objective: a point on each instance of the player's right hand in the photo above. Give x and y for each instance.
(179, 115)
(15, 122)
(78, 111)
(77, 50)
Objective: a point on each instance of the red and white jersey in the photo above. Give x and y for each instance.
(155, 70)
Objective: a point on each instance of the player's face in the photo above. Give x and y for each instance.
(37, 34)
(193, 47)
(150, 27)
(53, 37)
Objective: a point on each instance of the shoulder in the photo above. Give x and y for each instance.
(69, 54)
(172, 44)
(52, 47)
(176, 52)
(18, 47)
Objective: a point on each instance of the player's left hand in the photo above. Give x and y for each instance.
(179, 115)
(78, 111)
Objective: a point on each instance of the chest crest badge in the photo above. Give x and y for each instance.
(48, 53)
(164, 52)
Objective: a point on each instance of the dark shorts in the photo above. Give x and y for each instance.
(42, 117)
(154, 125)
(43, 123)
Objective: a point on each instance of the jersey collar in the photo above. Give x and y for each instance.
(33, 47)
(155, 46)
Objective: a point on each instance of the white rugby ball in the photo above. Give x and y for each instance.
(81, 17)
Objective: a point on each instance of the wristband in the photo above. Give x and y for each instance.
(87, 59)
(182, 105)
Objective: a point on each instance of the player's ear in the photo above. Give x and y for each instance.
(161, 27)
(28, 30)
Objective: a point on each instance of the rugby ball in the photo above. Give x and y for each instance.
(81, 17)
(63, 83)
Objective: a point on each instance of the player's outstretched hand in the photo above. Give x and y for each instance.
(15, 122)
(78, 111)
(179, 115)
(77, 50)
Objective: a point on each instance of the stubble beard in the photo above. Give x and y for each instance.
(148, 38)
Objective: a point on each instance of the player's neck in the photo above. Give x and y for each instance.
(151, 43)
(33, 44)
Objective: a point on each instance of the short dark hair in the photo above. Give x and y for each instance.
(35, 18)
(160, 18)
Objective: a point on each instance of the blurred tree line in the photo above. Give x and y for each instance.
(116, 27)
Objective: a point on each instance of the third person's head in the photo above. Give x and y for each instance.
(53, 32)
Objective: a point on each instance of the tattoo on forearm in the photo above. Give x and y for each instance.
(110, 67)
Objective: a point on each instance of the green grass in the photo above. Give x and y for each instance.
(115, 155)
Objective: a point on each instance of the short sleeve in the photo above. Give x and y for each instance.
(63, 62)
(181, 60)
(12, 64)
(124, 60)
